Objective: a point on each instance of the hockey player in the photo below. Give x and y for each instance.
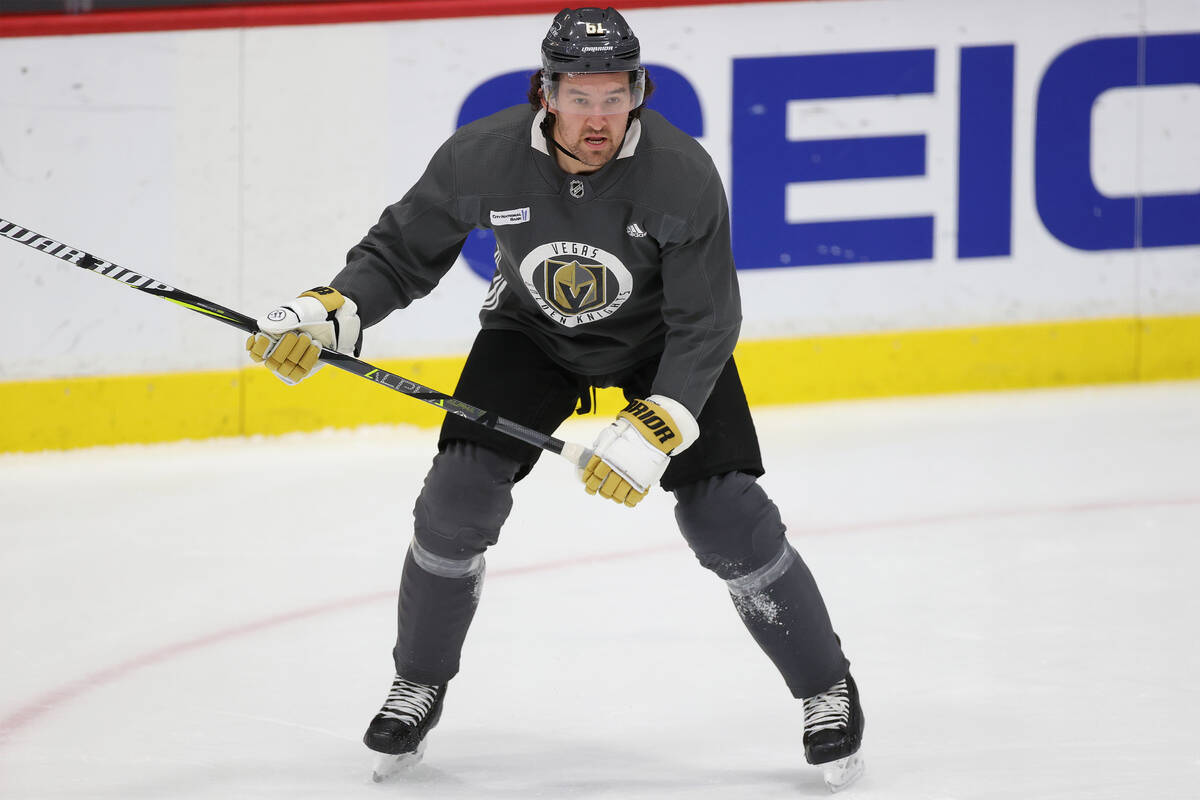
(613, 269)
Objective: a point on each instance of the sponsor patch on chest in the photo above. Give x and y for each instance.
(513, 216)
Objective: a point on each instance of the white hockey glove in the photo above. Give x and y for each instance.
(632, 453)
(290, 338)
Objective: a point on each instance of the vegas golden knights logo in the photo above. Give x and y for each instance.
(573, 287)
(575, 283)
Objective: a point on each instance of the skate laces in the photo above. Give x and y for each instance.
(829, 710)
(409, 701)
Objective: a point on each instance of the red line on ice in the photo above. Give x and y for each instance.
(967, 516)
(72, 690)
(68, 692)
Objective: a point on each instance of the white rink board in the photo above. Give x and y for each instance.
(240, 165)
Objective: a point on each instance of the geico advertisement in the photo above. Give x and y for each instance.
(890, 165)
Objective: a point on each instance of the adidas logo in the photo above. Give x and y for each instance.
(635, 230)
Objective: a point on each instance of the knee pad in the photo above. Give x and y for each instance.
(732, 526)
(466, 499)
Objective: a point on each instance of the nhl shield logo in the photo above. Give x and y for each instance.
(577, 189)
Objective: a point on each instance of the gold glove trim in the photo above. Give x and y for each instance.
(292, 358)
(653, 422)
(257, 346)
(331, 298)
(599, 478)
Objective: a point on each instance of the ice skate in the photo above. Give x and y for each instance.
(397, 733)
(833, 727)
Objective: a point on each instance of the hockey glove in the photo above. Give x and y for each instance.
(632, 453)
(290, 338)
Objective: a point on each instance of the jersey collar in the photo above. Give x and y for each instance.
(538, 141)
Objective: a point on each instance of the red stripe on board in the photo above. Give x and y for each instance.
(256, 16)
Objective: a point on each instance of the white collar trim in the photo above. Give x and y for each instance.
(537, 139)
(632, 135)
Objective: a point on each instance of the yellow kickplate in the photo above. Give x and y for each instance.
(79, 412)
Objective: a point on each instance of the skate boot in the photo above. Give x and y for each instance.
(833, 727)
(398, 731)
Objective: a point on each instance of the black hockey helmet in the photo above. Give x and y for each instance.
(589, 41)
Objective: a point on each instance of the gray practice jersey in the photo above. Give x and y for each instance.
(601, 271)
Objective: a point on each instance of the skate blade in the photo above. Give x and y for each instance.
(388, 766)
(843, 772)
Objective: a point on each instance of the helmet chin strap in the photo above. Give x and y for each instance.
(548, 132)
(564, 150)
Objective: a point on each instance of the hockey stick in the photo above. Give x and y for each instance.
(575, 453)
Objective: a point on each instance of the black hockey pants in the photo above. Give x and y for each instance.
(727, 519)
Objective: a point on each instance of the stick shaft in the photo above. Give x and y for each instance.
(574, 453)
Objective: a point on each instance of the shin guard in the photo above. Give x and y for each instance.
(465, 501)
(736, 532)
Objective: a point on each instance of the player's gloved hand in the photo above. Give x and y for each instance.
(290, 338)
(632, 453)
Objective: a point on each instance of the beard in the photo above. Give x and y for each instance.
(594, 158)
(587, 154)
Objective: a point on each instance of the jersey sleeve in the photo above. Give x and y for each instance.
(701, 303)
(416, 241)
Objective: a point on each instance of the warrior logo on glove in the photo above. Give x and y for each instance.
(655, 424)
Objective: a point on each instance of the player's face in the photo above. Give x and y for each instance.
(590, 115)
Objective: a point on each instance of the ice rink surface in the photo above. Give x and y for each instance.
(1014, 577)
